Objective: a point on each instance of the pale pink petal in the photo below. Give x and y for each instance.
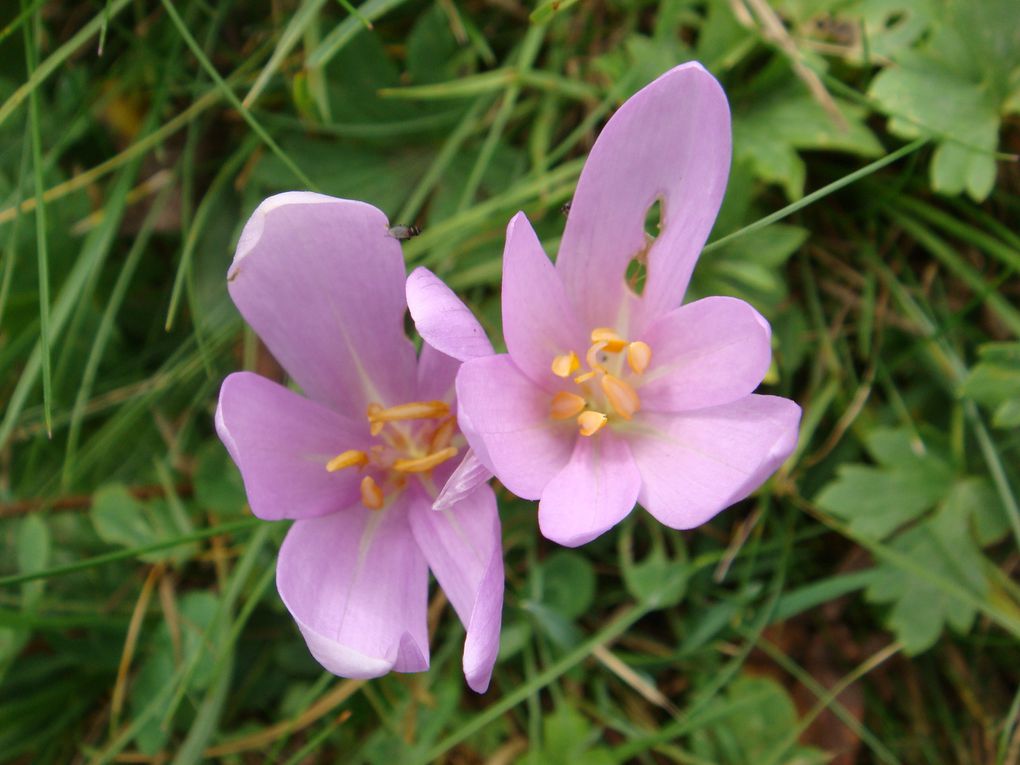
(539, 323)
(697, 463)
(468, 475)
(505, 417)
(669, 142)
(357, 586)
(463, 547)
(442, 319)
(595, 490)
(436, 374)
(321, 281)
(281, 443)
(705, 353)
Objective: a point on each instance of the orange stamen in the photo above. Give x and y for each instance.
(426, 463)
(591, 422)
(371, 494)
(612, 341)
(592, 356)
(443, 435)
(414, 410)
(622, 397)
(639, 356)
(349, 458)
(566, 364)
(566, 405)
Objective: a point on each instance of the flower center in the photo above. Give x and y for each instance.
(603, 392)
(409, 440)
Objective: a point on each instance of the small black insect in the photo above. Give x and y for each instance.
(403, 233)
(565, 209)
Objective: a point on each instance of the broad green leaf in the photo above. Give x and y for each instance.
(920, 610)
(994, 382)
(656, 579)
(876, 500)
(218, 484)
(122, 520)
(196, 611)
(956, 86)
(568, 737)
(568, 583)
(887, 26)
(769, 132)
(751, 723)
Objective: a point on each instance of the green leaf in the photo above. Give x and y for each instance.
(944, 89)
(875, 501)
(750, 722)
(196, 612)
(771, 130)
(976, 499)
(122, 520)
(994, 382)
(568, 583)
(218, 484)
(942, 545)
(567, 737)
(656, 579)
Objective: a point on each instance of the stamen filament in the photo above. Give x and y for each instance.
(612, 342)
(371, 494)
(443, 435)
(415, 410)
(566, 405)
(349, 458)
(591, 422)
(639, 356)
(426, 463)
(592, 356)
(582, 379)
(566, 364)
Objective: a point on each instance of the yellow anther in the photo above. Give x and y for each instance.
(371, 494)
(566, 364)
(639, 356)
(349, 458)
(566, 405)
(613, 342)
(582, 379)
(591, 422)
(443, 435)
(414, 410)
(426, 463)
(622, 397)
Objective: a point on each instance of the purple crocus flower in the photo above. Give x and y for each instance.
(607, 397)
(358, 463)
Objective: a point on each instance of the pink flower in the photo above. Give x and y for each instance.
(359, 462)
(608, 398)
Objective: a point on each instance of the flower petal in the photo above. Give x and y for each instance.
(697, 463)
(539, 322)
(436, 375)
(322, 283)
(442, 319)
(357, 586)
(465, 479)
(706, 353)
(463, 547)
(671, 142)
(281, 443)
(505, 418)
(596, 490)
